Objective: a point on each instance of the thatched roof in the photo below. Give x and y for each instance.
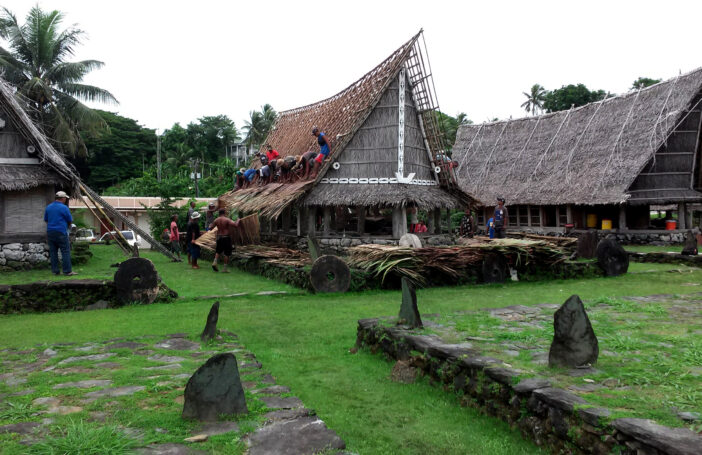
(341, 117)
(587, 155)
(52, 167)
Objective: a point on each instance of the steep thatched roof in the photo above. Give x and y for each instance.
(588, 155)
(341, 117)
(52, 168)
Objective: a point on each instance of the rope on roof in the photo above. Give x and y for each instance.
(577, 143)
(519, 155)
(543, 155)
(460, 165)
(484, 171)
(619, 136)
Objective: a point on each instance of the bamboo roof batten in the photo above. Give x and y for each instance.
(587, 155)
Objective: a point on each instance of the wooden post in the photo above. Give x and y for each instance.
(437, 221)
(541, 216)
(431, 226)
(271, 224)
(311, 220)
(528, 215)
(558, 216)
(448, 220)
(622, 217)
(399, 222)
(326, 217)
(361, 220)
(569, 214)
(300, 225)
(681, 215)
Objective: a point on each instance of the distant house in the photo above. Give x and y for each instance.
(31, 171)
(605, 163)
(385, 155)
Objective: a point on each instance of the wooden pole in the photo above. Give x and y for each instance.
(311, 220)
(286, 215)
(430, 222)
(361, 219)
(399, 222)
(326, 214)
(448, 220)
(622, 217)
(437, 221)
(569, 214)
(682, 223)
(300, 226)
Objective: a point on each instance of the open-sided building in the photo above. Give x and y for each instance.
(606, 163)
(385, 154)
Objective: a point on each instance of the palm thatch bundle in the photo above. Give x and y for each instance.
(419, 263)
(246, 232)
(269, 200)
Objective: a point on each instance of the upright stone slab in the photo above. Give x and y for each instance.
(690, 245)
(313, 246)
(409, 313)
(574, 342)
(215, 389)
(211, 325)
(612, 258)
(587, 245)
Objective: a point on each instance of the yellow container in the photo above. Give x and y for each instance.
(591, 220)
(606, 225)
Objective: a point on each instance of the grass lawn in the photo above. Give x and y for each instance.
(304, 340)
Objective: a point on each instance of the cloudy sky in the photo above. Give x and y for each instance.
(174, 61)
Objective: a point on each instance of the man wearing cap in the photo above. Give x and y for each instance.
(324, 150)
(500, 218)
(58, 218)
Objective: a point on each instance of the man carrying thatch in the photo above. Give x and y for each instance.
(324, 150)
(192, 234)
(500, 218)
(223, 246)
(58, 218)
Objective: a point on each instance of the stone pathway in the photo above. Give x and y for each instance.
(125, 381)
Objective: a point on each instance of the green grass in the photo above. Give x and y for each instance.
(304, 340)
(81, 438)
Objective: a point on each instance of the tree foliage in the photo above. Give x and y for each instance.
(259, 125)
(35, 61)
(119, 152)
(643, 82)
(449, 126)
(571, 96)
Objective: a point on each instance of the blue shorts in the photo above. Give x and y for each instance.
(194, 251)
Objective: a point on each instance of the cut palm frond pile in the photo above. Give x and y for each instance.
(565, 242)
(273, 255)
(269, 200)
(419, 263)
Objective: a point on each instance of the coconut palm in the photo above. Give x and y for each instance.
(35, 61)
(535, 99)
(180, 155)
(254, 128)
(269, 116)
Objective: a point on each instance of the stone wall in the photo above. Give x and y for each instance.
(23, 256)
(552, 417)
(338, 245)
(643, 237)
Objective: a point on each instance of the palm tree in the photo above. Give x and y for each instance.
(535, 99)
(180, 155)
(35, 62)
(269, 116)
(255, 130)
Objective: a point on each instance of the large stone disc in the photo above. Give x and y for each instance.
(330, 274)
(410, 240)
(136, 279)
(612, 258)
(495, 268)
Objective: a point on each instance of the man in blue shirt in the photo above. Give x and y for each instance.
(58, 218)
(324, 150)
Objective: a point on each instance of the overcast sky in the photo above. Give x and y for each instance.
(174, 61)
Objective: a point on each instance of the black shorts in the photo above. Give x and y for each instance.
(224, 245)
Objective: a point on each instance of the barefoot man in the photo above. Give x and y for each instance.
(224, 227)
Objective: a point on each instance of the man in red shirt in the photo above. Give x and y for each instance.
(271, 154)
(174, 236)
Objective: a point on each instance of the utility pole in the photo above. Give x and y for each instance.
(194, 163)
(158, 157)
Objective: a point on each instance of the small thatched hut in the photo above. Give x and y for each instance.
(385, 155)
(606, 162)
(31, 171)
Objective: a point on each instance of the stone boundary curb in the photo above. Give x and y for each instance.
(552, 417)
(666, 258)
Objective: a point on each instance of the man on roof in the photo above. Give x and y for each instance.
(271, 154)
(285, 167)
(305, 163)
(324, 150)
